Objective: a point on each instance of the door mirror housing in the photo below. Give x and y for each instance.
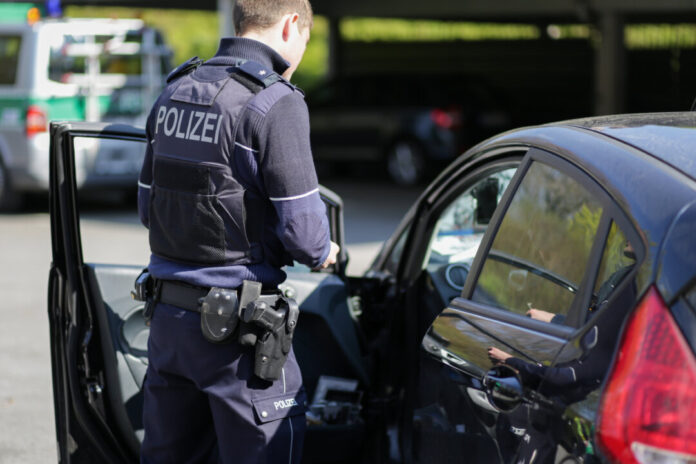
(504, 387)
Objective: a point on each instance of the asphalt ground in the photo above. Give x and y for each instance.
(112, 233)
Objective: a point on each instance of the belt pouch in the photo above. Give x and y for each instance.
(219, 314)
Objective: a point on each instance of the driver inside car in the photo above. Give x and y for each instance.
(567, 382)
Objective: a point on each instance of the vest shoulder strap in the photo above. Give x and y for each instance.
(257, 77)
(259, 73)
(184, 68)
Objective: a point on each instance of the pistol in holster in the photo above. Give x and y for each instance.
(268, 323)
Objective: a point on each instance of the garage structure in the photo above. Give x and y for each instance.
(599, 71)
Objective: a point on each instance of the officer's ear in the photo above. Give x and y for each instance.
(290, 22)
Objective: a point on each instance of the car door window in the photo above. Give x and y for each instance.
(106, 171)
(540, 252)
(461, 226)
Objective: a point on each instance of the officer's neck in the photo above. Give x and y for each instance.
(273, 38)
(267, 37)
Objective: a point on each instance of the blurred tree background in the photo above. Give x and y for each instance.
(659, 56)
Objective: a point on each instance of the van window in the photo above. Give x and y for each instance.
(9, 57)
(116, 55)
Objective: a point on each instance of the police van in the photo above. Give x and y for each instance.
(108, 70)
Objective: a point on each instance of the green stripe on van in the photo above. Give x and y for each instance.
(17, 12)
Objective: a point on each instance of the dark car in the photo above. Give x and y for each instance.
(363, 121)
(588, 223)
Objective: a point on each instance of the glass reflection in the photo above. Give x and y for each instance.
(539, 255)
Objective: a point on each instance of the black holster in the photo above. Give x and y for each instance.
(270, 322)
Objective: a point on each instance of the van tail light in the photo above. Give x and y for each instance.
(36, 121)
(648, 410)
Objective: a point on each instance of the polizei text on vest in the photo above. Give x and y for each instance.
(198, 126)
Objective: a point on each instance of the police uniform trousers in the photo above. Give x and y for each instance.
(203, 403)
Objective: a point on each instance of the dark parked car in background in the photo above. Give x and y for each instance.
(364, 121)
(587, 226)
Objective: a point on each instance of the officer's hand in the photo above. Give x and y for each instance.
(331, 259)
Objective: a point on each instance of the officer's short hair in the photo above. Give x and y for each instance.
(262, 14)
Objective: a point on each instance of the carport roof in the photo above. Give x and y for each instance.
(488, 10)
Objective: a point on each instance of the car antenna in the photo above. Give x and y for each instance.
(693, 105)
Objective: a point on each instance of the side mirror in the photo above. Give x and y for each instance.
(503, 388)
(486, 194)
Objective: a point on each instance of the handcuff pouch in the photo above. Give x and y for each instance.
(219, 314)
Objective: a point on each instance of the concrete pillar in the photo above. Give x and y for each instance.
(225, 23)
(610, 64)
(335, 48)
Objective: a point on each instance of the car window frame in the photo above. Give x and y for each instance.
(421, 219)
(63, 157)
(610, 212)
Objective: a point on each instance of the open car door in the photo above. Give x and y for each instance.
(99, 337)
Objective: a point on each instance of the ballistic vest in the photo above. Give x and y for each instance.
(199, 213)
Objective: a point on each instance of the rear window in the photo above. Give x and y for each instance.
(9, 57)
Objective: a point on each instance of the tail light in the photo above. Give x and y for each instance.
(648, 410)
(36, 121)
(449, 118)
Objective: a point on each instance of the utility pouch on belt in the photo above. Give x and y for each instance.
(219, 314)
(276, 317)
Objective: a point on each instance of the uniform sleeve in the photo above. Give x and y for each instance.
(291, 183)
(145, 179)
(533, 374)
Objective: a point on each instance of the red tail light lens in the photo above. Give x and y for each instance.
(36, 121)
(449, 118)
(648, 411)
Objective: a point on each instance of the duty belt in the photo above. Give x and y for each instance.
(182, 295)
(266, 322)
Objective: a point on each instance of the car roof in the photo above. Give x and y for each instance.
(670, 137)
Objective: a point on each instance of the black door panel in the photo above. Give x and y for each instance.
(121, 330)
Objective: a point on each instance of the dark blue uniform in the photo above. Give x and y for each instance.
(229, 192)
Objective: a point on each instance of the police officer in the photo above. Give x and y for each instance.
(229, 193)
